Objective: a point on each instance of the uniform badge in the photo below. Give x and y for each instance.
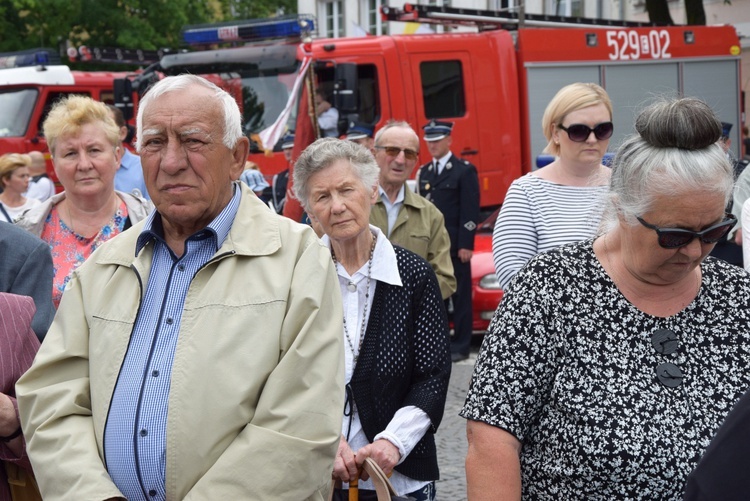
(448, 166)
(427, 186)
(470, 225)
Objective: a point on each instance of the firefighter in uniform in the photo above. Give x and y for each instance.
(452, 185)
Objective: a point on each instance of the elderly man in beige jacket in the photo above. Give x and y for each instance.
(199, 354)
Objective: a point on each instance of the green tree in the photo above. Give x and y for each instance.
(131, 24)
(658, 12)
(256, 9)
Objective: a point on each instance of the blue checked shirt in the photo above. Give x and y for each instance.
(136, 430)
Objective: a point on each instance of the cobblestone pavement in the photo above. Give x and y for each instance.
(451, 436)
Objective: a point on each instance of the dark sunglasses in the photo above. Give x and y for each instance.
(393, 151)
(580, 133)
(671, 238)
(665, 342)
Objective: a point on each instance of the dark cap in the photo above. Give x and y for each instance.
(436, 130)
(358, 130)
(287, 141)
(726, 128)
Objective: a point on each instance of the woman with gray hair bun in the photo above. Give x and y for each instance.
(612, 362)
(397, 350)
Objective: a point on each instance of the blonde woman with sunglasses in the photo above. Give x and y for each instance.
(562, 202)
(611, 362)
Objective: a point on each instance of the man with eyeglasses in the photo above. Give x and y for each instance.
(452, 185)
(408, 219)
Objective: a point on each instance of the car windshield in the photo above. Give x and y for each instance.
(16, 107)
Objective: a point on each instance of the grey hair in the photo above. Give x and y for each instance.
(392, 124)
(322, 154)
(675, 151)
(232, 115)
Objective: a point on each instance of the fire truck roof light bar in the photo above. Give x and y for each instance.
(287, 27)
(30, 57)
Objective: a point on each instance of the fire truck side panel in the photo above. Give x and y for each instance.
(631, 86)
(635, 66)
(717, 81)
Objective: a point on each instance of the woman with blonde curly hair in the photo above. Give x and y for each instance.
(14, 176)
(84, 143)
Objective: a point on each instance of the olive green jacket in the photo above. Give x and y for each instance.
(420, 228)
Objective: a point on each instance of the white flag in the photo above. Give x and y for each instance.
(270, 135)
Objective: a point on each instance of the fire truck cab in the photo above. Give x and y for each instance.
(28, 93)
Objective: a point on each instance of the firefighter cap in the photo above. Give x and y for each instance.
(726, 128)
(287, 141)
(358, 130)
(436, 130)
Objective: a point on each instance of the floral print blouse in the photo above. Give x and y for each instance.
(70, 250)
(570, 368)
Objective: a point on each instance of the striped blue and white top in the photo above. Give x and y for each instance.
(539, 215)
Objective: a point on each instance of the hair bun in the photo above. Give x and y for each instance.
(687, 124)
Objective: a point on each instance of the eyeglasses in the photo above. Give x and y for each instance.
(671, 238)
(580, 132)
(665, 342)
(393, 151)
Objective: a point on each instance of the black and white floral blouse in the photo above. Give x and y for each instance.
(569, 368)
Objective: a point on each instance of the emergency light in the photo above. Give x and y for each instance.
(288, 27)
(31, 57)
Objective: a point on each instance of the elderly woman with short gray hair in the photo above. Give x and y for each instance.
(612, 362)
(395, 330)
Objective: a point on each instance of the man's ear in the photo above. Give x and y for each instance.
(239, 157)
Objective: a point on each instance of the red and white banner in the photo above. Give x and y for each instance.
(270, 135)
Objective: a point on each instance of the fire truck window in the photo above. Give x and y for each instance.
(369, 104)
(107, 97)
(16, 107)
(52, 98)
(443, 89)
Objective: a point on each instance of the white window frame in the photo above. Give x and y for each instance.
(497, 5)
(333, 10)
(367, 8)
(567, 7)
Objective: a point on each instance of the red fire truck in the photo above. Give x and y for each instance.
(28, 91)
(494, 83)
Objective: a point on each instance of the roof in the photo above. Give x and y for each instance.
(47, 75)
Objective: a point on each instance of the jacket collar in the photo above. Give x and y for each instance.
(255, 232)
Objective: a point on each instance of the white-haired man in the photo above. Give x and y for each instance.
(199, 354)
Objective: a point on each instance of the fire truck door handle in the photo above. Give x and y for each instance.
(466, 153)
